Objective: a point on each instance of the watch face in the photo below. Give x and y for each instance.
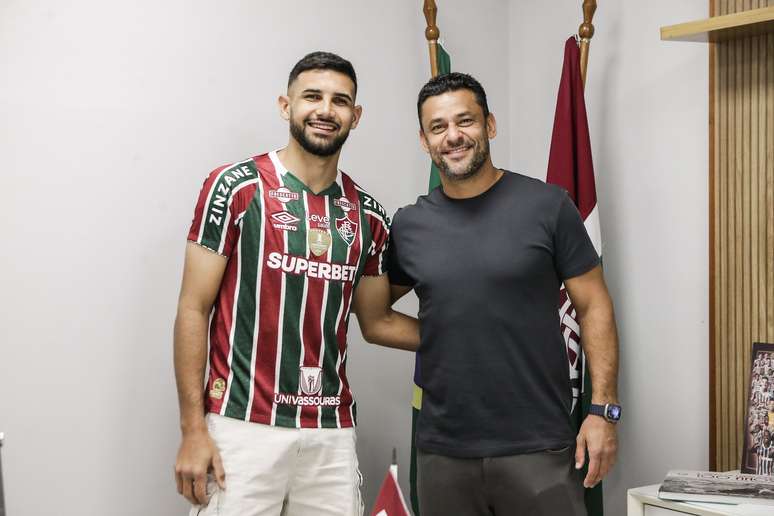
(614, 412)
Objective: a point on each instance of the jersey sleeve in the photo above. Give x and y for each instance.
(214, 224)
(574, 253)
(379, 223)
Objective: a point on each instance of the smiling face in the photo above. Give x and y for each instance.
(456, 133)
(320, 107)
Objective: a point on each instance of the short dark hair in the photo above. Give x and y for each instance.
(323, 61)
(451, 82)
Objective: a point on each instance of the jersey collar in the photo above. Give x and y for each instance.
(335, 189)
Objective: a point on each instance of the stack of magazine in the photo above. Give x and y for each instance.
(711, 486)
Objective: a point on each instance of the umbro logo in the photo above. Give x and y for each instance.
(285, 217)
(285, 221)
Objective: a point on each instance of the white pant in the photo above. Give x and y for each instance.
(272, 471)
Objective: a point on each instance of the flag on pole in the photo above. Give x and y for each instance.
(444, 67)
(390, 501)
(571, 167)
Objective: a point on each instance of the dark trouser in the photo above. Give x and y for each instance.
(534, 484)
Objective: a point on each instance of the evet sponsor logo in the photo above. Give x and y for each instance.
(283, 194)
(322, 221)
(321, 270)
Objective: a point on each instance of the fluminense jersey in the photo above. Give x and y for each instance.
(278, 335)
(765, 460)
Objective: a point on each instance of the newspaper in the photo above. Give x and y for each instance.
(712, 486)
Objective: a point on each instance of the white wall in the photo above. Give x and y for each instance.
(111, 115)
(647, 108)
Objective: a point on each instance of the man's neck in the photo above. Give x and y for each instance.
(472, 186)
(316, 172)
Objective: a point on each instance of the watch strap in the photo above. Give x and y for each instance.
(604, 410)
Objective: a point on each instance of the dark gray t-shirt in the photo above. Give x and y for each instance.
(487, 271)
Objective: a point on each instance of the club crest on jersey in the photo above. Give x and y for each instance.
(283, 194)
(319, 241)
(310, 380)
(285, 220)
(347, 229)
(345, 204)
(218, 388)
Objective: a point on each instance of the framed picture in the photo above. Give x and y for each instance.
(758, 452)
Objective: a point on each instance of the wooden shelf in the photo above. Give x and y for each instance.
(722, 28)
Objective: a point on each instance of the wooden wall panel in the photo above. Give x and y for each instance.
(741, 224)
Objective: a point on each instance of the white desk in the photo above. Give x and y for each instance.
(644, 501)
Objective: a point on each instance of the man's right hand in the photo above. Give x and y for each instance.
(197, 456)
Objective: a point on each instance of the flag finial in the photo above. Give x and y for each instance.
(432, 34)
(586, 32)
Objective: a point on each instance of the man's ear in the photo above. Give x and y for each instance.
(283, 101)
(357, 113)
(423, 141)
(491, 126)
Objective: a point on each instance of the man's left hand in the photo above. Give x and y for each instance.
(601, 440)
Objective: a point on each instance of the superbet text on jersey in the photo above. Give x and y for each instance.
(278, 336)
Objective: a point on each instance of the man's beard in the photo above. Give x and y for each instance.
(322, 149)
(479, 158)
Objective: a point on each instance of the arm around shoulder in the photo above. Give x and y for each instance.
(379, 323)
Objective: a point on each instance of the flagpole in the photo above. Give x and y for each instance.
(586, 32)
(431, 34)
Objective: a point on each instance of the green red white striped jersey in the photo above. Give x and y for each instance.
(278, 334)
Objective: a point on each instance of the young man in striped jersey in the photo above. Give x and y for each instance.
(282, 246)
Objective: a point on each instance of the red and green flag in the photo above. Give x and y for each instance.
(571, 167)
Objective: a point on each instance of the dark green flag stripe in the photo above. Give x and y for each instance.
(444, 67)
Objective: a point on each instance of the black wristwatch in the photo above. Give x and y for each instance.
(610, 411)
